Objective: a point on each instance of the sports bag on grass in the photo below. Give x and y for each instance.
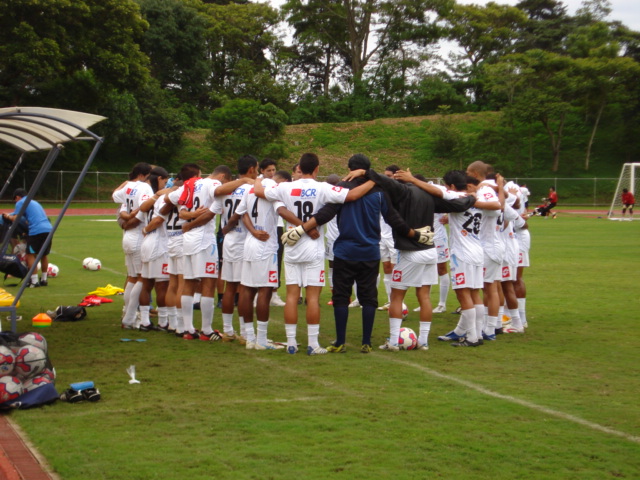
(70, 313)
(11, 265)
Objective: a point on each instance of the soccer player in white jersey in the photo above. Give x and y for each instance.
(524, 245)
(260, 267)
(195, 200)
(154, 251)
(233, 247)
(131, 194)
(388, 254)
(304, 261)
(510, 262)
(492, 205)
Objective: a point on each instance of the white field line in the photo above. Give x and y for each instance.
(518, 401)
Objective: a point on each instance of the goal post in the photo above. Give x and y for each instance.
(630, 180)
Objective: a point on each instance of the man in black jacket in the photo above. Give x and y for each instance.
(417, 264)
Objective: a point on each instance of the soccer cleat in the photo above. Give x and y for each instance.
(554, 215)
(270, 345)
(91, 394)
(465, 343)
(299, 300)
(127, 326)
(276, 301)
(191, 335)
(33, 285)
(366, 348)
(337, 348)
(250, 345)
(241, 340)
(226, 337)
(291, 350)
(440, 309)
(316, 351)
(499, 331)
(211, 337)
(71, 396)
(490, 338)
(451, 336)
(423, 346)
(162, 328)
(384, 307)
(43, 283)
(513, 330)
(388, 346)
(354, 304)
(457, 311)
(147, 328)
(417, 309)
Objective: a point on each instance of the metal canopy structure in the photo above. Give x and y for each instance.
(36, 129)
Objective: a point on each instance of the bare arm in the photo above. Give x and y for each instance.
(200, 220)
(259, 234)
(155, 222)
(229, 187)
(407, 177)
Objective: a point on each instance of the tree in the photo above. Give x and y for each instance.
(547, 27)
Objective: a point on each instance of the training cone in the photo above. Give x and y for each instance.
(41, 320)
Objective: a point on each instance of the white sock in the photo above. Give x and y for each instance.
(445, 283)
(127, 293)
(132, 306)
(423, 336)
(163, 316)
(394, 330)
(227, 323)
(468, 321)
(206, 309)
(500, 315)
(43, 276)
(34, 278)
(522, 310)
(312, 333)
(262, 332)
(249, 332)
(290, 329)
(144, 315)
(490, 328)
(479, 319)
(187, 313)
(172, 315)
(330, 277)
(387, 286)
(180, 321)
(241, 326)
(515, 319)
(197, 297)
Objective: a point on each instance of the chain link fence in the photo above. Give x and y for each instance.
(98, 186)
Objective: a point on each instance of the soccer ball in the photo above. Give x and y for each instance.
(35, 382)
(53, 270)
(50, 373)
(30, 361)
(85, 262)
(10, 388)
(94, 264)
(405, 311)
(7, 361)
(407, 340)
(35, 339)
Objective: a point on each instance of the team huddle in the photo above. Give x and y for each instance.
(172, 245)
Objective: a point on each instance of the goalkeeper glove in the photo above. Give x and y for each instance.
(291, 236)
(424, 235)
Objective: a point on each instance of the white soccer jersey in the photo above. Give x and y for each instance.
(264, 216)
(305, 197)
(199, 238)
(491, 226)
(439, 231)
(233, 247)
(509, 236)
(174, 232)
(132, 195)
(154, 244)
(464, 233)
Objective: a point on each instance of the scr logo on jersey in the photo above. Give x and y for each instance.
(210, 268)
(304, 192)
(131, 191)
(238, 192)
(273, 276)
(396, 276)
(165, 269)
(460, 280)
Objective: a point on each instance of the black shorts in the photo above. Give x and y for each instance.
(363, 273)
(35, 243)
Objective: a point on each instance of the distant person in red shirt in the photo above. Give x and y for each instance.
(551, 202)
(628, 201)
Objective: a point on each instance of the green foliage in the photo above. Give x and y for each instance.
(246, 126)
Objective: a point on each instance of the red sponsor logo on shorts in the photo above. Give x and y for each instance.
(520, 258)
(165, 269)
(505, 272)
(273, 276)
(396, 276)
(322, 276)
(460, 280)
(210, 268)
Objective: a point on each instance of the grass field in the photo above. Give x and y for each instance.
(559, 402)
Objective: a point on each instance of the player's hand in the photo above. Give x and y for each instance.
(444, 219)
(354, 174)
(425, 235)
(261, 235)
(404, 176)
(291, 236)
(313, 233)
